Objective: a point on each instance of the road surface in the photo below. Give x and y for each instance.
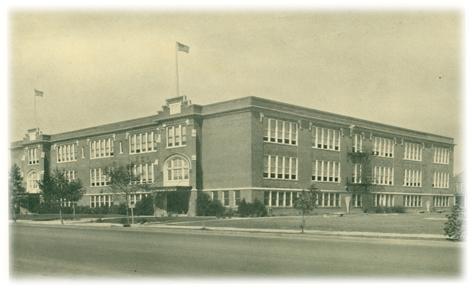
(53, 251)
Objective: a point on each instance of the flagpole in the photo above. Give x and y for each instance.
(177, 68)
(35, 116)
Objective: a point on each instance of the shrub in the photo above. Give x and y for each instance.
(203, 202)
(207, 207)
(244, 208)
(30, 202)
(255, 209)
(215, 208)
(145, 206)
(395, 209)
(228, 213)
(398, 209)
(453, 225)
(119, 209)
(259, 209)
(114, 209)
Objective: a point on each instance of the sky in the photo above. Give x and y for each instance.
(398, 68)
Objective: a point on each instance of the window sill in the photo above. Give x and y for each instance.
(286, 144)
(413, 160)
(180, 146)
(143, 152)
(103, 157)
(329, 182)
(57, 162)
(326, 149)
(280, 179)
(390, 157)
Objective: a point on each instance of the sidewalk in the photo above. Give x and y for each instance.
(313, 232)
(361, 234)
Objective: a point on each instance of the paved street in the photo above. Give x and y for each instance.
(42, 250)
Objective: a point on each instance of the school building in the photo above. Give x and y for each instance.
(250, 148)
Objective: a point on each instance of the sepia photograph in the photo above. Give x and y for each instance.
(296, 143)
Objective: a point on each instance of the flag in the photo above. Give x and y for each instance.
(182, 47)
(38, 93)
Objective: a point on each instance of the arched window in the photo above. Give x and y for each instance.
(32, 182)
(176, 171)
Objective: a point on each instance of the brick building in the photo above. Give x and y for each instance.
(251, 148)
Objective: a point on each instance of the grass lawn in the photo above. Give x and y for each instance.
(111, 218)
(386, 223)
(49, 217)
(151, 219)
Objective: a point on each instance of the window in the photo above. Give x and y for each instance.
(441, 201)
(141, 143)
(280, 167)
(237, 198)
(441, 155)
(66, 153)
(176, 136)
(413, 151)
(412, 201)
(32, 182)
(177, 169)
(357, 173)
(101, 148)
(65, 203)
(383, 147)
(33, 157)
(225, 198)
(280, 131)
(279, 199)
(143, 173)
(325, 138)
(384, 200)
(135, 198)
(383, 175)
(326, 171)
(412, 178)
(329, 199)
(98, 177)
(356, 200)
(266, 198)
(70, 175)
(214, 195)
(440, 179)
(101, 201)
(357, 143)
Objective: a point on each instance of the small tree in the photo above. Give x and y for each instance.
(17, 190)
(453, 225)
(306, 202)
(123, 183)
(75, 191)
(55, 189)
